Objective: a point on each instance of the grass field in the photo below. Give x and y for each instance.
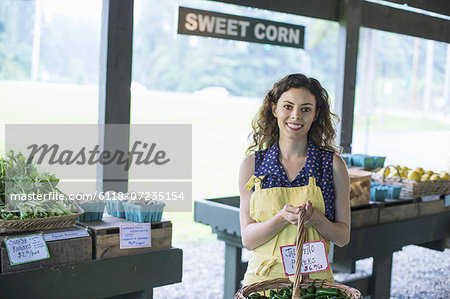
(220, 124)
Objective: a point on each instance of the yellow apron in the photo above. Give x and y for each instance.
(266, 262)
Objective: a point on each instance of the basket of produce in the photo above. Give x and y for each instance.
(44, 216)
(93, 208)
(415, 183)
(30, 200)
(144, 210)
(302, 287)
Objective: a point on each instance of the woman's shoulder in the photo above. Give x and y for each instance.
(253, 161)
(247, 169)
(339, 164)
(249, 160)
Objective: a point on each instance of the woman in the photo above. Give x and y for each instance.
(294, 166)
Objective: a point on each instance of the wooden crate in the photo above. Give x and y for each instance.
(398, 210)
(364, 216)
(431, 207)
(62, 252)
(106, 237)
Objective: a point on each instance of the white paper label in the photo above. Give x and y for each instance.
(135, 235)
(431, 197)
(26, 249)
(314, 258)
(65, 235)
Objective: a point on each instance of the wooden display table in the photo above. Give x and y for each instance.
(88, 263)
(131, 276)
(428, 228)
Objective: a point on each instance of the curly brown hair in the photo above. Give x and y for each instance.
(322, 132)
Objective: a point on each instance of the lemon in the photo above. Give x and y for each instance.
(403, 174)
(414, 175)
(429, 172)
(420, 170)
(425, 177)
(445, 176)
(383, 171)
(392, 170)
(435, 177)
(392, 174)
(404, 169)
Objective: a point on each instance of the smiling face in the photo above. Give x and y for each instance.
(295, 112)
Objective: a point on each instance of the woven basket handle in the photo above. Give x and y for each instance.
(301, 237)
(398, 172)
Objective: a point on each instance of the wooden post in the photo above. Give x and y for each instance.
(349, 24)
(381, 276)
(232, 279)
(114, 89)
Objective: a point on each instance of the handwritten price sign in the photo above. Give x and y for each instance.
(26, 249)
(314, 258)
(135, 236)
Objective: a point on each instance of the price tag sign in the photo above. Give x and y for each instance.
(314, 258)
(66, 235)
(135, 236)
(26, 249)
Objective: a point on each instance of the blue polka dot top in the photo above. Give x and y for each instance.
(319, 164)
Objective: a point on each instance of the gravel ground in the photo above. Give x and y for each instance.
(417, 273)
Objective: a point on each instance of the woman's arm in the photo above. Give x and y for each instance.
(255, 234)
(339, 231)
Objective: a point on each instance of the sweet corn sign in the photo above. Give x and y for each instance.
(213, 24)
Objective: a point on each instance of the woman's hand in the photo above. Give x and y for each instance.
(289, 214)
(310, 215)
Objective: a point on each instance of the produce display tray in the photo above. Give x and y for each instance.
(64, 251)
(392, 210)
(40, 224)
(106, 236)
(365, 215)
(431, 207)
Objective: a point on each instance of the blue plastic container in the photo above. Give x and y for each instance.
(93, 211)
(143, 214)
(115, 208)
(378, 161)
(347, 158)
(362, 161)
(394, 191)
(379, 193)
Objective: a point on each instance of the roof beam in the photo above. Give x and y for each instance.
(321, 9)
(404, 22)
(437, 6)
(374, 15)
